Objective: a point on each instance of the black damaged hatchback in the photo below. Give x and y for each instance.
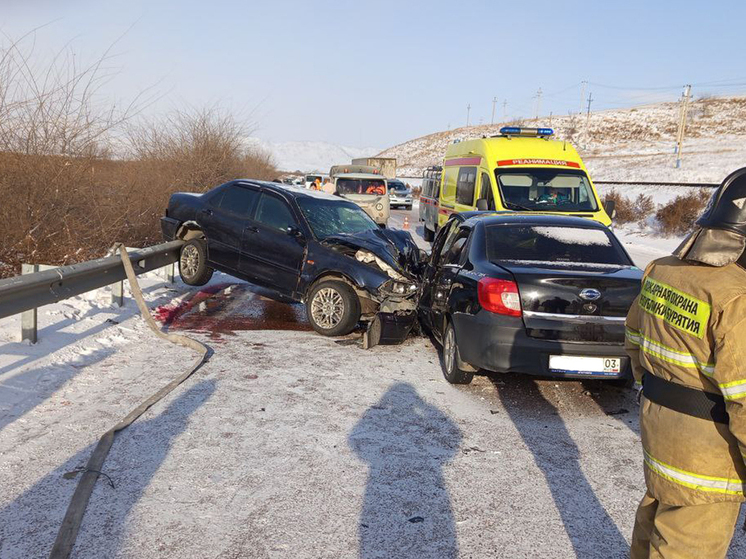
(304, 246)
(538, 294)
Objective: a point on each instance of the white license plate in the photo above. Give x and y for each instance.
(585, 365)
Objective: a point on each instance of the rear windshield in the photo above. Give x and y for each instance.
(549, 190)
(534, 244)
(332, 217)
(361, 186)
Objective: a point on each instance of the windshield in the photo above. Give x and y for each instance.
(312, 178)
(361, 186)
(332, 217)
(397, 186)
(552, 243)
(550, 190)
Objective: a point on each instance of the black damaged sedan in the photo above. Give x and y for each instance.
(538, 294)
(305, 246)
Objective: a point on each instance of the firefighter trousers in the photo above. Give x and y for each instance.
(693, 532)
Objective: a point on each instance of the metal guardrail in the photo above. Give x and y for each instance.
(660, 183)
(30, 291)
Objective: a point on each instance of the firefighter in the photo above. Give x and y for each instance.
(686, 337)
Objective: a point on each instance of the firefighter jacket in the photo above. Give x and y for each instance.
(688, 326)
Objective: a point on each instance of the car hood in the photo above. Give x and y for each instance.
(396, 248)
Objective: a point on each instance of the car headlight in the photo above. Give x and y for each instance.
(399, 287)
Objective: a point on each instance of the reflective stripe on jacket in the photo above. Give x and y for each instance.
(688, 326)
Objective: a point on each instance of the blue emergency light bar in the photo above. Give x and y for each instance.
(532, 132)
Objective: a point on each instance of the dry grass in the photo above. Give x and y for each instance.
(76, 175)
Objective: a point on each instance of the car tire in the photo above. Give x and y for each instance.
(193, 267)
(452, 364)
(333, 308)
(428, 235)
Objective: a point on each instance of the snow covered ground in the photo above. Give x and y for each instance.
(635, 143)
(289, 444)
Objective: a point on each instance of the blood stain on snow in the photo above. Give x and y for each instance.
(223, 309)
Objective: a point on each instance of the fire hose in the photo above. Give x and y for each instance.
(68, 532)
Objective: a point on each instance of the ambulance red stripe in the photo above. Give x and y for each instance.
(464, 161)
(554, 162)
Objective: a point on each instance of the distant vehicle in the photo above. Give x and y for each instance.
(304, 245)
(429, 201)
(366, 187)
(520, 170)
(385, 165)
(399, 194)
(311, 178)
(529, 293)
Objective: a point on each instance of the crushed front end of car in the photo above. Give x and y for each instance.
(387, 267)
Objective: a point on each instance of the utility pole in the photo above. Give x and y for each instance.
(468, 110)
(494, 102)
(582, 95)
(550, 118)
(588, 116)
(538, 104)
(505, 110)
(682, 124)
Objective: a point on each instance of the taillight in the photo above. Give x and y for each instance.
(499, 296)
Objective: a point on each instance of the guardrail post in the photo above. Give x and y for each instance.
(169, 272)
(117, 293)
(29, 317)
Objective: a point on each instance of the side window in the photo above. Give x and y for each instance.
(449, 184)
(239, 200)
(445, 234)
(436, 186)
(453, 256)
(486, 192)
(275, 213)
(467, 179)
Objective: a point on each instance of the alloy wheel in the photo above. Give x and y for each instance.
(449, 349)
(327, 308)
(189, 261)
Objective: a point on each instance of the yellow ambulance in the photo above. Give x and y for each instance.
(522, 169)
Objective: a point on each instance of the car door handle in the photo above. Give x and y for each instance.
(206, 211)
(251, 229)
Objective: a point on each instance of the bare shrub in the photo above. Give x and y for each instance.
(643, 207)
(625, 212)
(69, 191)
(678, 217)
(628, 210)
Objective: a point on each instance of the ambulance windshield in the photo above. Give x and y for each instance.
(543, 189)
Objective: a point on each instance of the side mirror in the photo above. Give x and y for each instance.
(482, 205)
(610, 208)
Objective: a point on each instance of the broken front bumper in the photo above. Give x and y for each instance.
(389, 328)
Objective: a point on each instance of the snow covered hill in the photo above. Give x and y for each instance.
(623, 144)
(309, 156)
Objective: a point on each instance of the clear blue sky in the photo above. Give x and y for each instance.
(378, 73)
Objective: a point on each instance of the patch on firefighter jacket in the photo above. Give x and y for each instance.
(675, 307)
